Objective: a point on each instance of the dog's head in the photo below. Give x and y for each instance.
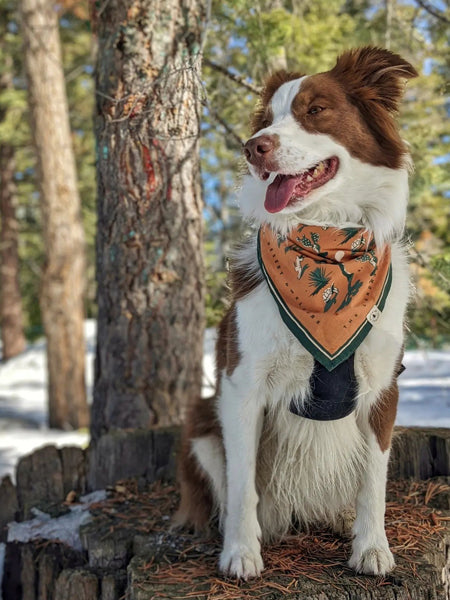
(326, 147)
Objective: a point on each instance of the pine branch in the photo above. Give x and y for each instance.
(433, 11)
(235, 78)
(215, 115)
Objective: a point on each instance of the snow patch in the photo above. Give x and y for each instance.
(64, 529)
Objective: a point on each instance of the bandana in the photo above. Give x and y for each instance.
(330, 286)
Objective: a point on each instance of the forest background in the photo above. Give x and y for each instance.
(245, 41)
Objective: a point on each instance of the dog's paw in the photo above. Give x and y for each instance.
(241, 562)
(373, 561)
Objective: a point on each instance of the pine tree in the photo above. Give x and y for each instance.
(149, 244)
(11, 313)
(63, 282)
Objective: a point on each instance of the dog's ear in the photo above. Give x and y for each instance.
(262, 116)
(373, 75)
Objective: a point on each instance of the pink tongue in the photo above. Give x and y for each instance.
(280, 192)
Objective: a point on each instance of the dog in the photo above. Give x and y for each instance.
(299, 430)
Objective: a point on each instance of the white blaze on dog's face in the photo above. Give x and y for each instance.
(326, 147)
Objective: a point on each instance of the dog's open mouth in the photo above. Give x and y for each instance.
(285, 188)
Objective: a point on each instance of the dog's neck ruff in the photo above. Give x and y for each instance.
(330, 286)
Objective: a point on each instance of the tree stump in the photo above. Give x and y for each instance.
(176, 570)
(420, 452)
(128, 547)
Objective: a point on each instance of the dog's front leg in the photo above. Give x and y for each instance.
(241, 415)
(370, 551)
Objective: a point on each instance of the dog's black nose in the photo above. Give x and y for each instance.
(259, 149)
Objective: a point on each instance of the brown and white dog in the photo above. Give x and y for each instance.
(325, 151)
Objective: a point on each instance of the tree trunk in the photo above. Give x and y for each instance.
(63, 278)
(11, 316)
(149, 244)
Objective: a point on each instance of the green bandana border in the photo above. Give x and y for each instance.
(329, 361)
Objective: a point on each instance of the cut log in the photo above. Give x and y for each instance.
(420, 453)
(39, 480)
(47, 475)
(107, 547)
(141, 453)
(113, 585)
(175, 574)
(77, 584)
(31, 570)
(134, 523)
(307, 566)
(8, 505)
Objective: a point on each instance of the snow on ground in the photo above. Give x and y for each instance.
(424, 396)
(65, 528)
(425, 389)
(23, 404)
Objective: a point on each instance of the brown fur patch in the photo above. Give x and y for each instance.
(374, 76)
(338, 118)
(244, 278)
(227, 346)
(382, 414)
(374, 81)
(263, 116)
(196, 505)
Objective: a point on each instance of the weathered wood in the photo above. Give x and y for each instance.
(428, 587)
(39, 480)
(48, 570)
(120, 454)
(420, 453)
(130, 530)
(113, 585)
(47, 475)
(8, 505)
(431, 581)
(111, 549)
(28, 574)
(73, 461)
(51, 571)
(77, 584)
(31, 569)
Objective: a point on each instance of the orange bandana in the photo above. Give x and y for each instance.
(330, 286)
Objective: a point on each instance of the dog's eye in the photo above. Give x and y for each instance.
(265, 123)
(314, 110)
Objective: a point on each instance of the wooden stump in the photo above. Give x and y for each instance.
(31, 570)
(420, 453)
(77, 584)
(183, 572)
(128, 548)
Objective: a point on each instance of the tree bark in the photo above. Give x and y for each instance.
(62, 292)
(149, 244)
(11, 315)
